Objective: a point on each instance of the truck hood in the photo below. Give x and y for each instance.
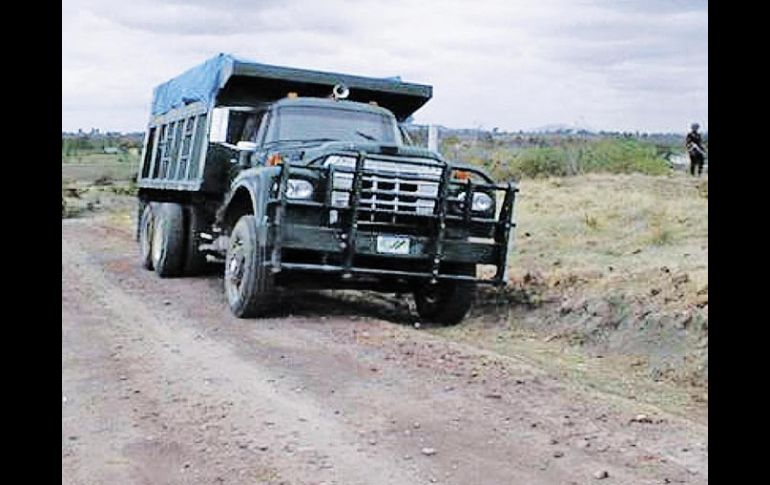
(308, 152)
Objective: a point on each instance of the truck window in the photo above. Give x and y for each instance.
(317, 123)
(235, 124)
(405, 136)
(251, 126)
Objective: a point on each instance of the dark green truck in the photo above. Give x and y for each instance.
(298, 178)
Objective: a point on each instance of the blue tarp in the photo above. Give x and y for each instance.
(205, 82)
(197, 84)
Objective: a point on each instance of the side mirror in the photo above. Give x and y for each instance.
(245, 149)
(219, 122)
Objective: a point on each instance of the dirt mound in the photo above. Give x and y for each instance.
(610, 265)
(664, 330)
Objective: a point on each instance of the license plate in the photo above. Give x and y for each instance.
(393, 244)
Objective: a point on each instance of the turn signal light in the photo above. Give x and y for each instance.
(462, 175)
(274, 159)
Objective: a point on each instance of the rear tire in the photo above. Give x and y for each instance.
(146, 223)
(447, 302)
(249, 283)
(168, 239)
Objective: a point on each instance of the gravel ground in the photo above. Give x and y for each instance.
(160, 384)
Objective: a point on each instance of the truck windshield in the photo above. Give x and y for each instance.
(306, 123)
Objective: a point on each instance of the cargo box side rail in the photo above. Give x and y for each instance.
(351, 207)
(175, 149)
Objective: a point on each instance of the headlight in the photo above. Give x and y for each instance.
(482, 202)
(299, 189)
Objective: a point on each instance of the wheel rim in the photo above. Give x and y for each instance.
(234, 269)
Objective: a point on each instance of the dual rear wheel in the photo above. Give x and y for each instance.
(168, 239)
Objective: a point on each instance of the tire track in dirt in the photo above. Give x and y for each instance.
(306, 398)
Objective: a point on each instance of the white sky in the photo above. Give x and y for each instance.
(513, 64)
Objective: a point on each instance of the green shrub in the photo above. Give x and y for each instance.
(536, 162)
(570, 157)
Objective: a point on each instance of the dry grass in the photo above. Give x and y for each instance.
(614, 231)
(92, 167)
(609, 286)
(91, 172)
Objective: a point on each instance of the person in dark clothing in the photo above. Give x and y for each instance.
(694, 145)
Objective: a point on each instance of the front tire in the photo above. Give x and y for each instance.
(447, 302)
(249, 282)
(168, 239)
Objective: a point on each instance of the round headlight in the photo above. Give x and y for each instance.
(481, 202)
(299, 189)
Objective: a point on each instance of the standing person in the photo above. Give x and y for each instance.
(694, 145)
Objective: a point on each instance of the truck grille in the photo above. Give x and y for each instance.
(391, 191)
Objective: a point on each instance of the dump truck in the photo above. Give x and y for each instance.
(297, 179)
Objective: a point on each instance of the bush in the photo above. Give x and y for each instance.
(622, 156)
(570, 157)
(536, 162)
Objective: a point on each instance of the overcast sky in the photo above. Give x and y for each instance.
(512, 64)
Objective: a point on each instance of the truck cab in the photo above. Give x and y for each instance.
(300, 178)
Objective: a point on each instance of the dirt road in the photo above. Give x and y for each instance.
(161, 385)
